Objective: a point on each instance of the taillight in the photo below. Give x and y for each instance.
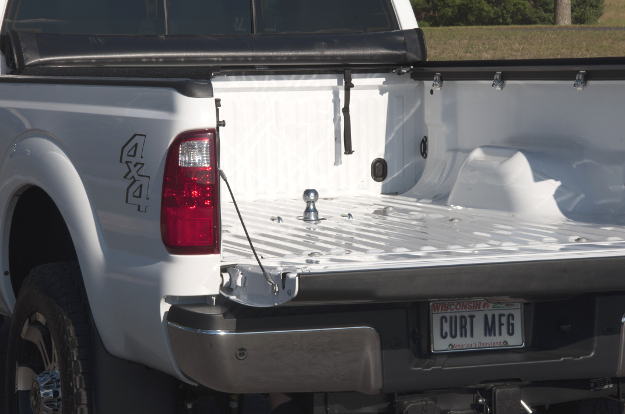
(190, 203)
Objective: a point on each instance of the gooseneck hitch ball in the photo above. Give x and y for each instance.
(310, 197)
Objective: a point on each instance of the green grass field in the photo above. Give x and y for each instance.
(531, 42)
(614, 14)
(525, 42)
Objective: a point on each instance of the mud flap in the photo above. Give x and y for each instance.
(124, 387)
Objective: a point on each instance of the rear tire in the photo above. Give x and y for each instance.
(589, 406)
(48, 362)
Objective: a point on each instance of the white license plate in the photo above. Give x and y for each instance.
(475, 324)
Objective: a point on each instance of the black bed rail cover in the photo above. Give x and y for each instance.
(394, 48)
(602, 68)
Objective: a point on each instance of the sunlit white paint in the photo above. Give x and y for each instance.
(67, 140)
(527, 173)
(405, 14)
(502, 178)
(572, 137)
(285, 134)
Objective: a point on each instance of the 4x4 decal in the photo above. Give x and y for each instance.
(132, 156)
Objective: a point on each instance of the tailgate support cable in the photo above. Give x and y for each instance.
(272, 283)
(347, 131)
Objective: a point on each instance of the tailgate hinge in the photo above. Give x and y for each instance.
(246, 284)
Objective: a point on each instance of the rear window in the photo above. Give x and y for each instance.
(196, 17)
(306, 16)
(129, 17)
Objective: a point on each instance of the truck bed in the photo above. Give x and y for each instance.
(509, 192)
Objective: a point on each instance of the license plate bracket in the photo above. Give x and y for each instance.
(475, 324)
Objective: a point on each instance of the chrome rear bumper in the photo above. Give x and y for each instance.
(311, 360)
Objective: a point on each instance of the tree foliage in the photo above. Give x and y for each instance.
(500, 12)
(586, 11)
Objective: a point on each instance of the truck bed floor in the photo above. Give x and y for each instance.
(394, 232)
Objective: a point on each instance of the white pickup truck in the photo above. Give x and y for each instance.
(371, 232)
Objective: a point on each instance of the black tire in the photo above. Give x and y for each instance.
(51, 338)
(589, 406)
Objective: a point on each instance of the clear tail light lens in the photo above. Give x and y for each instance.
(190, 201)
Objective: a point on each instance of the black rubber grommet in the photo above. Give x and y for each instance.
(423, 147)
(379, 169)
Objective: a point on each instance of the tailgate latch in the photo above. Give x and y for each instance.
(246, 284)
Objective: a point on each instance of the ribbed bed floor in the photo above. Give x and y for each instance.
(399, 232)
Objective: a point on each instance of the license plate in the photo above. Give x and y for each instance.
(475, 324)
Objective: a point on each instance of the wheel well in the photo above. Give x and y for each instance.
(38, 236)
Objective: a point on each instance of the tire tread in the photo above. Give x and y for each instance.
(63, 285)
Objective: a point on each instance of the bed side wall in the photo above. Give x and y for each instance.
(571, 138)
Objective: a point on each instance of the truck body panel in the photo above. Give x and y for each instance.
(117, 238)
(464, 188)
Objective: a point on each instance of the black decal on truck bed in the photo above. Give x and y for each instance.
(137, 191)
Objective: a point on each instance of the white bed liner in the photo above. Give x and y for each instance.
(542, 195)
(397, 232)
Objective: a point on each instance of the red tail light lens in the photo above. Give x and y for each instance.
(190, 203)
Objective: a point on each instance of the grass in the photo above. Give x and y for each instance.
(614, 14)
(522, 42)
(531, 42)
